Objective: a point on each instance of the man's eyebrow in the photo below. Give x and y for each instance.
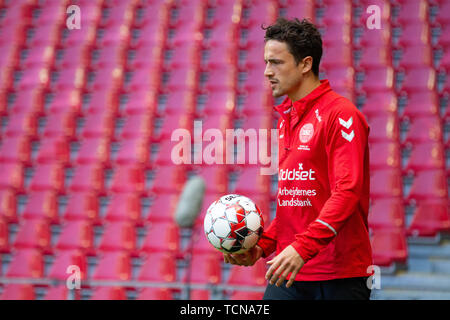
(273, 60)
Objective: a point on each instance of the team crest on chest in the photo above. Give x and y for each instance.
(306, 132)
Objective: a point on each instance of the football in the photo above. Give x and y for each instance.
(233, 224)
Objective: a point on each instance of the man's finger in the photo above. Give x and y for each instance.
(273, 267)
(283, 276)
(292, 278)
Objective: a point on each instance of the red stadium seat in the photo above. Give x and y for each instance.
(199, 294)
(167, 179)
(53, 150)
(76, 55)
(165, 126)
(4, 236)
(416, 56)
(223, 78)
(76, 235)
(15, 291)
(21, 124)
(384, 127)
(338, 13)
(389, 246)
(428, 184)
(158, 266)
(294, 9)
(104, 101)
(113, 266)
(60, 125)
(139, 102)
(60, 292)
(41, 205)
(33, 234)
(137, 126)
(179, 79)
(109, 293)
(47, 177)
(162, 207)
(133, 151)
(155, 294)
(63, 102)
(128, 178)
(384, 155)
(334, 34)
(27, 263)
(139, 80)
(415, 11)
(183, 54)
(246, 295)
(98, 125)
(375, 57)
(73, 77)
(118, 236)
(161, 236)
(379, 103)
(386, 183)
(38, 56)
(430, 218)
(13, 177)
(426, 155)
(386, 213)
(215, 177)
(8, 205)
(94, 150)
(341, 78)
(419, 79)
(259, 12)
(421, 103)
(87, 177)
(338, 55)
(415, 34)
(378, 79)
(221, 54)
(82, 206)
(424, 129)
(15, 149)
(106, 79)
(123, 207)
(204, 268)
(444, 35)
(63, 259)
(116, 14)
(254, 276)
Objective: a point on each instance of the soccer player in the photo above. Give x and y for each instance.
(320, 232)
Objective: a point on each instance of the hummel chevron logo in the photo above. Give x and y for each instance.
(348, 137)
(347, 124)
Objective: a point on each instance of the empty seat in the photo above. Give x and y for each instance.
(118, 236)
(158, 266)
(113, 266)
(386, 183)
(15, 291)
(215, 177)
(375, 57)
(161, 236)
(4, 236)
(15, 149)
(336, 34)
(162, 207)
(386, 213)
(41, 205)
(336, 56)
(137, 126)
(33, 234)
(421, 103)
(384, 128)
(246, 295)
(419, 79)
(389, 246)
(378, 79)
(426, 155)
(94, 151)
(379, 103)
(416, 56)
(167, 179)
(60, 125)
(108, 293)
(87, 177)
(8, 205)
(81, 206)
(12, 177)
(414, 34)
(47, 177)
(133, 151)
(415, 11)
(27, 263)
(337, 12)
(98, 124)
(428, 184)
(139, 102)
(251, 181)
(155, 294)
(60, 292)
(254, 276)
(424, 129)
(204, 268)
(430, 218)
(21, 124)
(385, 155)
(123, 207)
(199, 294)
(76, 235)
(128, 178)
(53, 150)
(64, 260)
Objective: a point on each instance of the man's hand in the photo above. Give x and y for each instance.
(284, 263)
(247, 258)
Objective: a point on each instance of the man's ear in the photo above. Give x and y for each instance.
(306, 64)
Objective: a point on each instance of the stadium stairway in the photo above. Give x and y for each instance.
(427, 276)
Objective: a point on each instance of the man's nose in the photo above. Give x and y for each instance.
(268, 71)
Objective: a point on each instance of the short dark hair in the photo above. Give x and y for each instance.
(302, 38)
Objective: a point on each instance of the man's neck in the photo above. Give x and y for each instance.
(306, 87)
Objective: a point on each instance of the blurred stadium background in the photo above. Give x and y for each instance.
(86, 117)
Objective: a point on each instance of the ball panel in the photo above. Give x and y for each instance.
(221, 228)
(253, 221)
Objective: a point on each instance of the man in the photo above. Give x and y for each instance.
(320, 232)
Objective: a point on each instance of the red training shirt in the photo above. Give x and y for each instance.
(323, 186)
